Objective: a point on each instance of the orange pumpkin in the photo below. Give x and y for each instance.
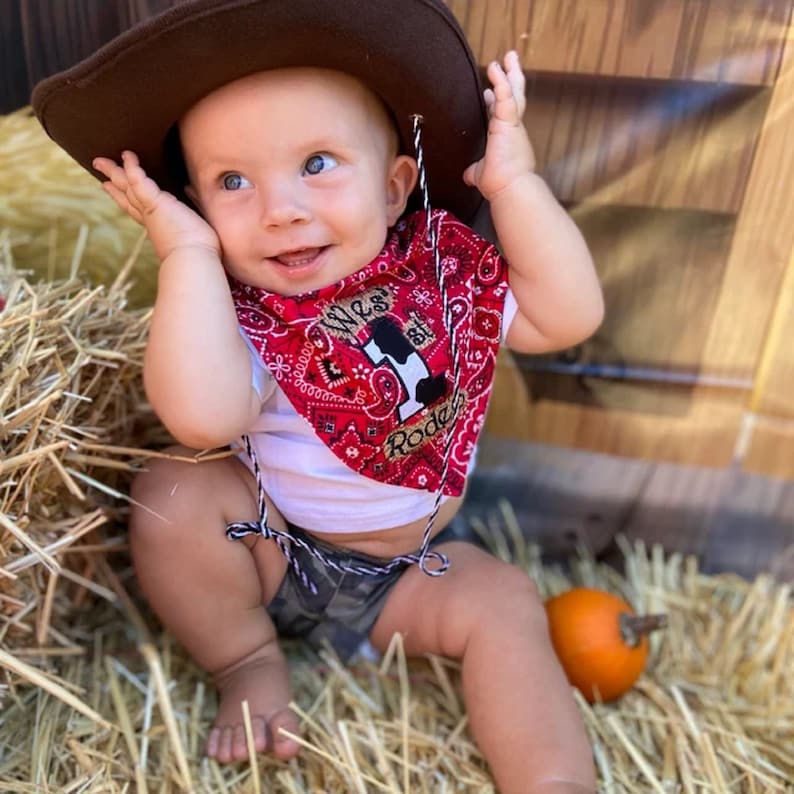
(601, 644)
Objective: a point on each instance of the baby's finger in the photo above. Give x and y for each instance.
(470, 174)
(120, 197)
(112, 170)
(106, 166)
(145, 189)
(505, 107)
(517, 80)
(132, 167)
(489, 98)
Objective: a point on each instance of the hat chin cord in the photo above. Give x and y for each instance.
(417, 121)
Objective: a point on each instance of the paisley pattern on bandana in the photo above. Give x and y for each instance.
(366, 361)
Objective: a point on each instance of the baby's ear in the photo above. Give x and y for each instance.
(401, 180)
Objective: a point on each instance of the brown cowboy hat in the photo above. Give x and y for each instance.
(411, 53)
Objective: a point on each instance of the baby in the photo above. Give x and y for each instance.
(346, 347)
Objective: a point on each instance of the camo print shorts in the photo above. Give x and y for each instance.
(346, 606)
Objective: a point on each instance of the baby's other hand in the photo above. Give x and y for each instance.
(508, 151)
(170, 223)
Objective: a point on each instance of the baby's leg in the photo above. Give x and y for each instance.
(209, 592)
(521, 712)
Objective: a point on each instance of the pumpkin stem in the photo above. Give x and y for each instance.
(634, 627)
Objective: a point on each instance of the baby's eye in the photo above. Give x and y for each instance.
(318, 163)
(235, 182)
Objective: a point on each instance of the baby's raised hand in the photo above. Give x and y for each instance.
(508, 151)
(170, 223)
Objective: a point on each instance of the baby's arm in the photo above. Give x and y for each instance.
(197, 369)
(551, 271)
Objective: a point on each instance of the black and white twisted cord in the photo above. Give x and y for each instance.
(449, 324)
(241, 529)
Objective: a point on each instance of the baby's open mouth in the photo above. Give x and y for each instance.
(301, 256)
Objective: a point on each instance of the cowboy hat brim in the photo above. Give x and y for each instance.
(411, 53)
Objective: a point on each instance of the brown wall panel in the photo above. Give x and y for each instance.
(671, 145)
(667, 423)
(727, 41)
(763, 242)
(661, 272)
(13, 66)
(58, 34)
(771, 449)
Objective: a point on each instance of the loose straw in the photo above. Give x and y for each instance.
(249, 741)
(167, 710)
(32, 675)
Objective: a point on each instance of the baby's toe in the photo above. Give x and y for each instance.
(239, 744)
(259, 733)
(259, 730)
(219, 743)
(284, 747)
(214, 742)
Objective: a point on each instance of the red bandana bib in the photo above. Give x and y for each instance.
(366, 361)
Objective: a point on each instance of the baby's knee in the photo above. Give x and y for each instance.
(152, 483)
(513, 598)
(514, 582)
(161, 494)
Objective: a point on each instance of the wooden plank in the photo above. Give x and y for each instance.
(692, 425)
(661, 273)
(40, 37)
(562, 499)
(137, 10)
(738, 41)
(753, 528)
(13, 68)
(771, 449)
(763, 241)
(675, 507)
(775, 371)
(777, 399)
(59, 33)
(676, 145)
(731, 520)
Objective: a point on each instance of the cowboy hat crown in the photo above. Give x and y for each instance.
(131, 93)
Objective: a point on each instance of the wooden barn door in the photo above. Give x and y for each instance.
(666, 128)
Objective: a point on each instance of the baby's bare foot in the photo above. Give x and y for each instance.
(263, 680)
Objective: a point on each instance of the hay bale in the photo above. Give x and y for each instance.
(93, 699)
(55, 218)
(71, 412)
(70, 389)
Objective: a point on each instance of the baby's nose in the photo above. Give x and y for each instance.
(282, 205)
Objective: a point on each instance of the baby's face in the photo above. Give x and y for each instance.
(297, 172)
